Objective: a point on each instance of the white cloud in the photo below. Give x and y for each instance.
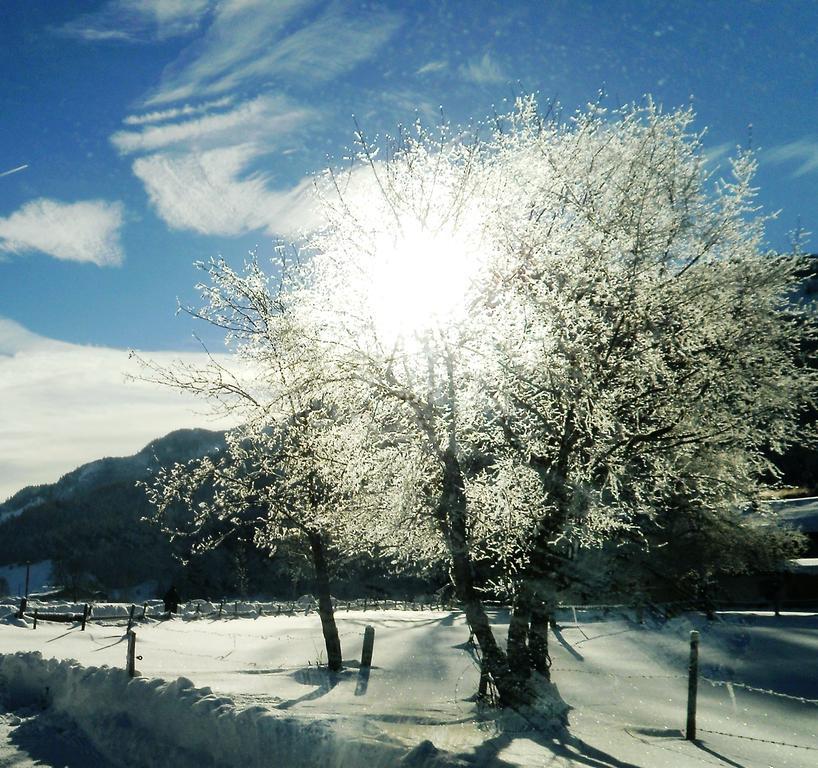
(187, 110)
(484, 71)
(67, 404)
(83, 231)
(251, 39)
(200, 173)
(139, 20)
(432, 66)
(803, 151)
(208, 192)
(261, 120)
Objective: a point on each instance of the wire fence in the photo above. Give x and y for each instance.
(206, 609)
(758, 739)
(154, 610)
(233, 608)
(729, 685)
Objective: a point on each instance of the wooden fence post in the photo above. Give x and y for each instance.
(86, 612)
(144, 610)
(369, 644)
(130, 618)
(131, 661)
(35, 618)
(692, 685)
(23, 604)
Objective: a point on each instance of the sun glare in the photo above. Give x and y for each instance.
(420, 281)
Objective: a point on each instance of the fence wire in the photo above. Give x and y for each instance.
(756, 738)
(713, 682)
(754, 689)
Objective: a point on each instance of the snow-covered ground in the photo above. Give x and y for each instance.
(626, 683)
(15, 577)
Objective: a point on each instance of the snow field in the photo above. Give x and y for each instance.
(626, 682)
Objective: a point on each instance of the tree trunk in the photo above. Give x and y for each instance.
(325, 610)
(452, 514)
(538, 639)
(518, 633)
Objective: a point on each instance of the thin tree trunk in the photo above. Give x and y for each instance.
(325, 610)
(452, 510)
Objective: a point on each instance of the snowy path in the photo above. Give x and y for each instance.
(626, 683)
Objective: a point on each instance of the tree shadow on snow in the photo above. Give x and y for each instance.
(553, 737)
(324, 681)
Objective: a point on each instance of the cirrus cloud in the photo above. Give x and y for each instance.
(803, 151)
(210, 193)
(263, 119)
(252, 39)
(484, 71)
(84, 231)
(186, 110)
(134, 21)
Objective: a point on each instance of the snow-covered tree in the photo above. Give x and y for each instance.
(531, 341)
(279, 477)
(559, 325)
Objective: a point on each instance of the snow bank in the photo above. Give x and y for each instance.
(142, 722)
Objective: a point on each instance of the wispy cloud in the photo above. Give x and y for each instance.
(433, 66)
(210, 192)
(804, 152)
(188, 110)
(712, 155)
(255, 39)
(264, 120)
(138, 20)
(483, 71)
(83, 231)
(405, 105)
(66, 404)
(201, 159)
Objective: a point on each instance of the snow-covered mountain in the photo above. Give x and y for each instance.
(180, 445)
(90, 522)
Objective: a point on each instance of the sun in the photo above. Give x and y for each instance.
(421, 280)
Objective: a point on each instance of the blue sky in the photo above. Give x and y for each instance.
(138, 136)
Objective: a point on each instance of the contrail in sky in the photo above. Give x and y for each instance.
(14, 170)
